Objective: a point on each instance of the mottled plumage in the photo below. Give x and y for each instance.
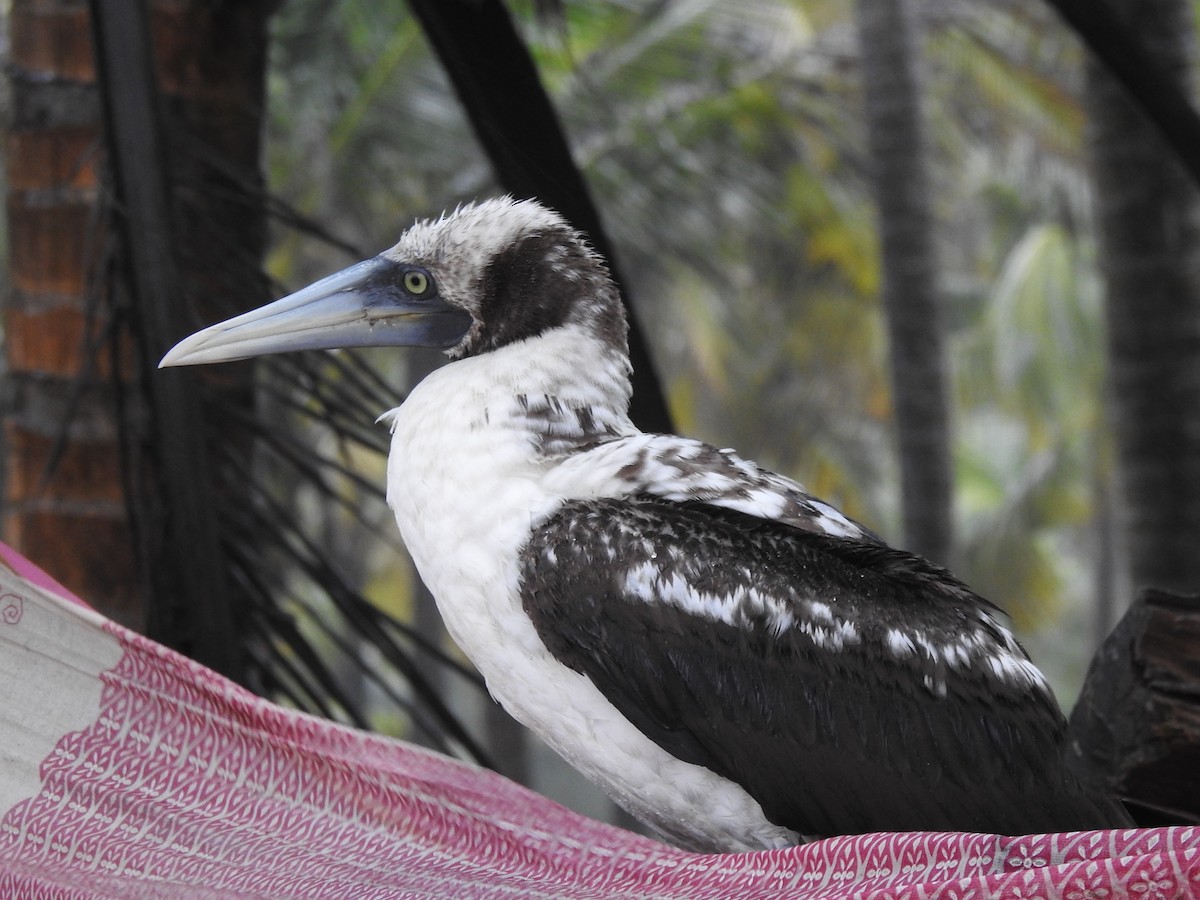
(763, 654)
(735, 661)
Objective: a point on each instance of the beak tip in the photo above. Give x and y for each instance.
(188, 352)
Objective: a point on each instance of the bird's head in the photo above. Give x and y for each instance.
(489, 274)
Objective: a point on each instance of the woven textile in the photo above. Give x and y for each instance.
(127, 770)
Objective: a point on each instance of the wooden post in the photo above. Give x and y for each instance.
(1136, 728)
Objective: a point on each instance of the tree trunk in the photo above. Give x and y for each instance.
(157, 265)
(1147, 211)
(891, 82)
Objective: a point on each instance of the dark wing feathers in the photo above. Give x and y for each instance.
(780, 677)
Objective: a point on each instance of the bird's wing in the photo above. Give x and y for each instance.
(846, 686)
(683, 470)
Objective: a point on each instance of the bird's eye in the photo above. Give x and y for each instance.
(417, 282)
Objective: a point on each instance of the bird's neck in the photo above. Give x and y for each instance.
(561, 390)
(471, 448)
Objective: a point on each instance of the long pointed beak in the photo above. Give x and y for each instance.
(361, 306)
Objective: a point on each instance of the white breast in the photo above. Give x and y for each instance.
(466, 484)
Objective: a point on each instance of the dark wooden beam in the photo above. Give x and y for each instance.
(1153, 89)
(1136, 727)
(189, 606)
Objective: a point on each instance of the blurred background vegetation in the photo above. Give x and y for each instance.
(728, 148)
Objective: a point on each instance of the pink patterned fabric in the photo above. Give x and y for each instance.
(27, 570)
(177, 783)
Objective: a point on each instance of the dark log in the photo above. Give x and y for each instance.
(1136, 728)
(188, 565)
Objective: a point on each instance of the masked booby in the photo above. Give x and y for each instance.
(737, 663)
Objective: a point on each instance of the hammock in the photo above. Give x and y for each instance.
(127, 770)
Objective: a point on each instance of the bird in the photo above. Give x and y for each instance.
(737, 663)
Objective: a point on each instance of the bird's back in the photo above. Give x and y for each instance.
(846, 686)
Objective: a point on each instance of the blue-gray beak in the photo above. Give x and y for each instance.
(362, 306)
